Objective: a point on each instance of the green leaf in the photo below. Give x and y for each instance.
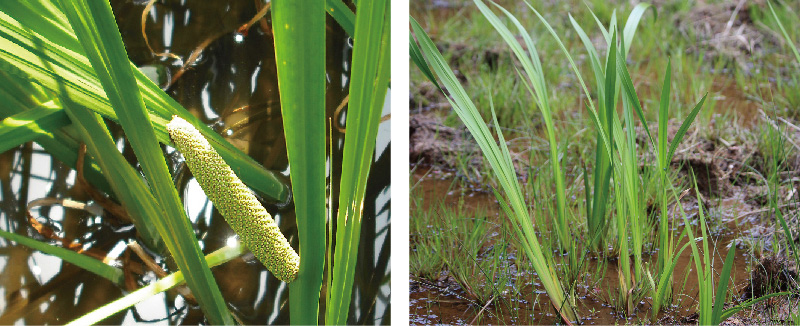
(113, 274)
(419, 61)
(594, 58)
(369, 81)
(19, 95)
(299, 29)
(684, 127)
(127, 183)
(96, 28)
(663, 117)
(30, 124)
(633, 22)
(52, 57)
(596, 214)
(785, 34)
(215, 258)
(342, 14)
(630, 92)
(538, 89)
(592, 111)
(744, 305)
(663, 282)
(722, 288)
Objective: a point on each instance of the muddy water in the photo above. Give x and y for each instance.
(731, 99)
(227, 79)
(442, 301)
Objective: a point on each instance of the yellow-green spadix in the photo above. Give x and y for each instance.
(235, 202)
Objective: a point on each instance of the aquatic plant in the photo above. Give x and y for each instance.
(64, 65)
(500, 160)
(235, 201)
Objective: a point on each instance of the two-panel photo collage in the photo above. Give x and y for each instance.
(421, 162)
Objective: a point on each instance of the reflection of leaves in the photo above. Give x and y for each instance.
(26, 295)
(372, 269)
(14, 275)
(70, 293)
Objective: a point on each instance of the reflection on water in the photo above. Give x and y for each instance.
(229, 82)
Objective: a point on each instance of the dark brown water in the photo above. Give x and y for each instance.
(229, 82)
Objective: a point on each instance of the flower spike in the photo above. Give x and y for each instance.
(240, 208)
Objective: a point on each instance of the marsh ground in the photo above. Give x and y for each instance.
(742, 149)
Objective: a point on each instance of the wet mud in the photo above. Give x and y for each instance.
(732, 217)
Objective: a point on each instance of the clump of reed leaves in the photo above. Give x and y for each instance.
(619, 219)
(65, 70)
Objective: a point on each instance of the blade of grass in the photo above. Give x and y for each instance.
(663, 117)
(785, 34)
(706, 291)
(634, 18)
(126, 182)
(704, 267)
(776, 133)
(369, 79)
(538, 88)
(592, 110)
(722, 287)
(631, 176)
(300, 53)
(744, 305)
(666, 253)
(594, 58)
(216, 258)
(111, 273)
(684, 127)
(607, 103)
(419, 61)
(342, 14)
(96, 28)
(630, 92)
(603, 163)
(664, 283)
(698, 262)
(606, 33)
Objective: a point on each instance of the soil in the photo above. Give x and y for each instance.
(773, 274)
(726, 29)
(433, 143)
